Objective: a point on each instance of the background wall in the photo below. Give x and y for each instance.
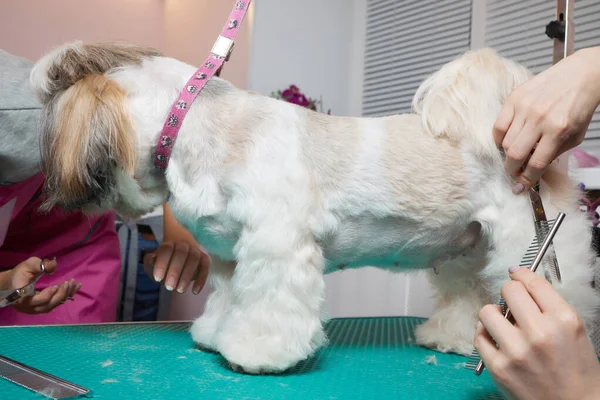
(31, 27)
(185, 29)
(306, 43)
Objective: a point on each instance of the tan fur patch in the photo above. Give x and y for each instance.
(91, 115)
(426, 173)
(332, 146)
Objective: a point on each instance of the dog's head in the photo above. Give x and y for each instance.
(89, 149)
(464, 97)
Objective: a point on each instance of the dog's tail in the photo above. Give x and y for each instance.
(461, 101)
(85, 120)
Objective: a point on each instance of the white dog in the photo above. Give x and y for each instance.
(280, 195)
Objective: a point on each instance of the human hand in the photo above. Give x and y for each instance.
(177, 264)
(46, 300)
(546, 354)
(548, 115)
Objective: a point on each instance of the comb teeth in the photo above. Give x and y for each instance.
(542, 229)
(473, 360)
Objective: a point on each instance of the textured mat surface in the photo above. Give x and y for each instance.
(368, 358)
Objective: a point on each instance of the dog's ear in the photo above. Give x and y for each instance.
(87, 134)
(462, 100)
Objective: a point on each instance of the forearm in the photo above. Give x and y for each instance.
(591, 58)
(173, 231)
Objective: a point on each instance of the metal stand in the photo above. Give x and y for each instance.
(562, 30)
(562, 33)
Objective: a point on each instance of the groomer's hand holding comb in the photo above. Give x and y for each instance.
(546, 354)
(548, 115)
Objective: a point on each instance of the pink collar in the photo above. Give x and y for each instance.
(219, 54)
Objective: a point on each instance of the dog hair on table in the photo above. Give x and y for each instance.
(281, 195)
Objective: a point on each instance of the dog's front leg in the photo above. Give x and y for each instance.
(217, 306)
(278, 291)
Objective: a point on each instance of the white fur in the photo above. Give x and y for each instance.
(280, 195)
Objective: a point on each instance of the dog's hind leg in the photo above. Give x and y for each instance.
(219, 300)
(459, 298)
(278, 292)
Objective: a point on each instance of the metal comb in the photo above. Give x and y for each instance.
(534, 256)
(39, 381)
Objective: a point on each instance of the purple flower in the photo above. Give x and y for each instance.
(287, 94)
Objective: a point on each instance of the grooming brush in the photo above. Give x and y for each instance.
(544, 234)
(39, 381)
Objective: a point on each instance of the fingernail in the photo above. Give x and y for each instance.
(514, 269)
(158, 275)
(67, 285)
(479, 324)
(182, 288)
(518, 188)
(169, 284)
(78, 286)
(196, 291)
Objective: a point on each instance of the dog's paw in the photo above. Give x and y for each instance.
(204, 331)
(431, 335)
(258, 348)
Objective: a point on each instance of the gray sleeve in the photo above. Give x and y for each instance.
(19, 114)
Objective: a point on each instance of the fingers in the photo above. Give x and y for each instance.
(519, 149)
(499, 328)
(162, 260)
(523, 308)
(48, 299)
(545, 296)
(190, 270)
(50, 266)
(38, 299)
(512, 133)
(485, 345)
(178, 265)
(75, 287)
(503, 122)
(200, 281)
(542, 156)
(178, 262)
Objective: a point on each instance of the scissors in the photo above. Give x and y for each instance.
(10, 296)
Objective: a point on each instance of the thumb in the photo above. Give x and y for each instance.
(28, 270)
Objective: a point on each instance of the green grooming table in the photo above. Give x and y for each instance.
(367, 358)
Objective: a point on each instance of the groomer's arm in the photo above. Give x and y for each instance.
(548, 115)
(179, 260)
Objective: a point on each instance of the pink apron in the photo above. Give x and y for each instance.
(86, 249)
